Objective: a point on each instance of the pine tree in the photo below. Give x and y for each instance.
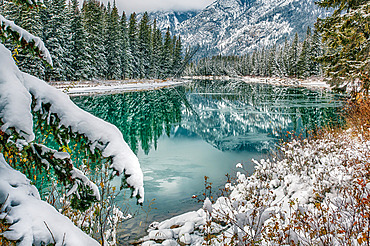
(272, 61)
(285, 61)
(315, 52)
(113, 43)
(156, 51)
(167, 55)
(126, 57)
(134, 46)
(29, 19)
(347, 33)
(145, 46)
(55, 38)
(293, 57)
(94, 26)
(177, 57)
(80, 59)
(304, 59)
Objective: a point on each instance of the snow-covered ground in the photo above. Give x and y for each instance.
(314, 82)
(316, 193)
(112, 87)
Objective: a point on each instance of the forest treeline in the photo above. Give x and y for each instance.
(94, 42)
(291, 59)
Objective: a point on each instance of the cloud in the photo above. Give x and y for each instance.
(130, 6)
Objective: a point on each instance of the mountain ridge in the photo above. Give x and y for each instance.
(237, 27)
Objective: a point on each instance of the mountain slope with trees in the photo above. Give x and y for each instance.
(238, 27)
(290, 59)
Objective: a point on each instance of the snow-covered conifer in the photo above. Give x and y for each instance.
(79, 55)
(157, 50)
(167, 51)
(29, 107)
(346, 33)
(126, 56)
(134, 45)
(177, 57)
(113, 43)
(145, 45)
(94, 26)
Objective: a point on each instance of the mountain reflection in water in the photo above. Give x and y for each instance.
(184, 133)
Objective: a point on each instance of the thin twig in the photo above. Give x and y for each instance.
(64, 237)
(50, 232)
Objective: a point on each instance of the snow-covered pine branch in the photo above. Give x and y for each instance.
(33, 221)
(17, 90)
(11, 31)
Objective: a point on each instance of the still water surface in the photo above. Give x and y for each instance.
(204, 128)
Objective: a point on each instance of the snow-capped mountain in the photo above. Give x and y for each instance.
(170, 19)
(239, 26)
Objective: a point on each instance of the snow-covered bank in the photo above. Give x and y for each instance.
(316, 193)
(116, 86)
(113, 87)
(314, 82)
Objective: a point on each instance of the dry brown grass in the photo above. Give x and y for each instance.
(358, 115)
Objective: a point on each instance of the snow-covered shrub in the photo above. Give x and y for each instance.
(314, 192)
(30, 108)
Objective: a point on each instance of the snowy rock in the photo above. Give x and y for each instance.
(188, 227)
(185, 238)
(150, 243)
(161, 234)
(170, 242)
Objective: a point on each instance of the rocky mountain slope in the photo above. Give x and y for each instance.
(239, 26)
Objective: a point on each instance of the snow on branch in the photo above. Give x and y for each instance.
(16, 89)
(25, 36)
(62, 163)
(104, 136)
(33, 221)
(15, 100)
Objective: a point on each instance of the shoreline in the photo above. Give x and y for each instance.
(312, 82)
(107, 87)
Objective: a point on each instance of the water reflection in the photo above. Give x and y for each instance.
(237, 116)
(142, 117)
(233, 116)
(210, 126)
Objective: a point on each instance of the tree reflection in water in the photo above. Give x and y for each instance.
(229, 115)
(141, 116)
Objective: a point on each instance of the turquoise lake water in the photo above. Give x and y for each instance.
(204, 128)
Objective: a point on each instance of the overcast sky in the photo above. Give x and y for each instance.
(130, 6)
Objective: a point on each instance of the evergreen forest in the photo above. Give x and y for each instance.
(93, 42)
(290, 59)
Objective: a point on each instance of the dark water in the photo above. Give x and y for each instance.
(184, 133)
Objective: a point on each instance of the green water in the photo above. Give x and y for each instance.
(184, 133)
